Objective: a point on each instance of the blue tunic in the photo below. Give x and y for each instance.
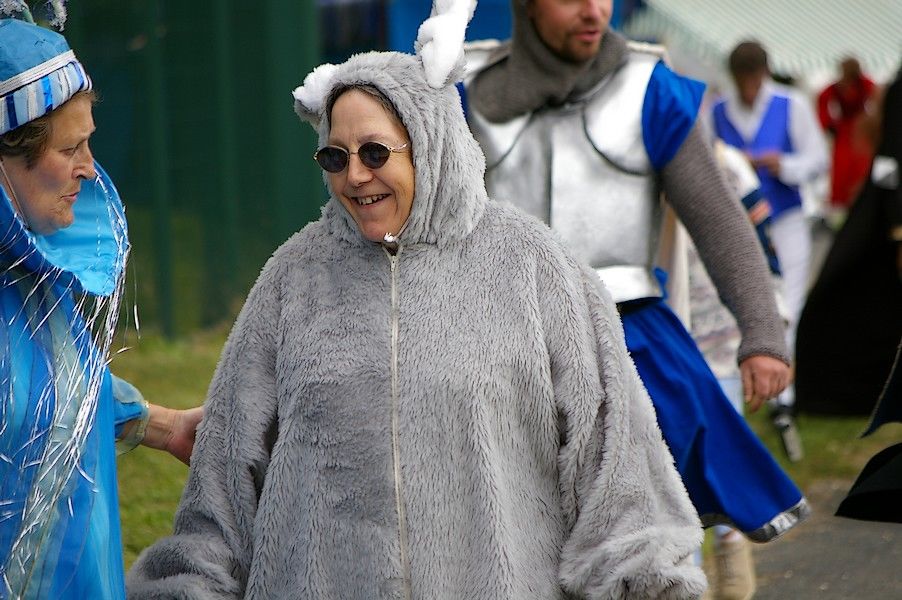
(59, 518)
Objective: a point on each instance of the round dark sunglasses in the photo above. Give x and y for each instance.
(372, 154)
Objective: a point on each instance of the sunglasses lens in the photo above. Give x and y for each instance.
(373, 155)
(332, 159)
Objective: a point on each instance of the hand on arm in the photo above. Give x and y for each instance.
(173, 430)
(763, 377)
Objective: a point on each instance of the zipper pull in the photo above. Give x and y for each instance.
(391, 243)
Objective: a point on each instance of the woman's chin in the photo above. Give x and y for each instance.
(374, 232)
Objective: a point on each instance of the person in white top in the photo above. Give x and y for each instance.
(775, 126)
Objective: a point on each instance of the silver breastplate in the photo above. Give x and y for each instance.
(583, 169)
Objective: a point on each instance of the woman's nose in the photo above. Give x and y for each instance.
(84, 168)
(358, 173)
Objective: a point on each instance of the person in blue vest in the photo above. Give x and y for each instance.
(63, 416)
(777, 129)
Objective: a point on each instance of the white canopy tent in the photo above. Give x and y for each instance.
(805, 39)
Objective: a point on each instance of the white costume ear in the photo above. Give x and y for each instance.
(440, 41)
(310, 97)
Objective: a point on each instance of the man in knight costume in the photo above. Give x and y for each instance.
(585, 131)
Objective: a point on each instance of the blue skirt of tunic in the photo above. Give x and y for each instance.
(731, 477)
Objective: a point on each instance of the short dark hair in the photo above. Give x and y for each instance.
(30, 140)
(747, 58)
(850, 67)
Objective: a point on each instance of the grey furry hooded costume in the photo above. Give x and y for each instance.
(457, 419)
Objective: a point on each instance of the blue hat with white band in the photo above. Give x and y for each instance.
(38, 72)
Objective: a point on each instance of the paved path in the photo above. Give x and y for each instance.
(827, 557)
(830, 558)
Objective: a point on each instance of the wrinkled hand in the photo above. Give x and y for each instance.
(763, 377)
(173, 430)
(184, 430)
(769, 161)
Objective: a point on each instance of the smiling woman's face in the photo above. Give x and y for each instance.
(46, 192)
(380, 199)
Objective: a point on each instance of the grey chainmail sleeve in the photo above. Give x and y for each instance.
(694, 185)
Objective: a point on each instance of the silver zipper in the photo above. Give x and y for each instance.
(395, 418)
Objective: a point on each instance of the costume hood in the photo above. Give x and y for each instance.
(449, 165)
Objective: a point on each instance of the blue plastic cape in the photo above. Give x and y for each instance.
(59, 294)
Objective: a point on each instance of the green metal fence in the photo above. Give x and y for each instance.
(196, 127)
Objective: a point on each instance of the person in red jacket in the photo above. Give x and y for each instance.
(840, 107)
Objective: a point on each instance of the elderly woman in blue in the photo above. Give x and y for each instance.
(63, 248)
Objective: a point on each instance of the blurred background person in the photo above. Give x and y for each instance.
(775, 126)
(852, 320)
(841, 107)
(876, 494)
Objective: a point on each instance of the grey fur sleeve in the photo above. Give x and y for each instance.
(209, 553)
(632, 527)
(726, 242)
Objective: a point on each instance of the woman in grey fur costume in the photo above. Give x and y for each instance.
(448, 412)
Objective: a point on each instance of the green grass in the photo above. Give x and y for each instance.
(177, 374)
(832, 447)
(174, 374)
